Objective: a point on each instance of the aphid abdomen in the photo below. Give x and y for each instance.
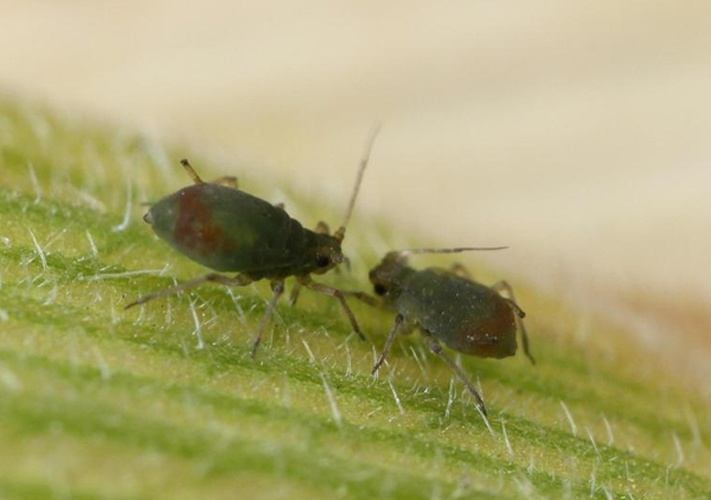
(466, 316)
(225, 229)
(488, 336)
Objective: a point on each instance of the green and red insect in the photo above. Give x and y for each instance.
(227, 230)
(448, 308)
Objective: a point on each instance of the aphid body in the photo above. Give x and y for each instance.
(465, 315)
(227, 230)
(448, 307)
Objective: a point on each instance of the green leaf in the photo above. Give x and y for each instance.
(97, 401)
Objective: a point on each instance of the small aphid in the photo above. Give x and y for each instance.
(447, 307)
(227, 230)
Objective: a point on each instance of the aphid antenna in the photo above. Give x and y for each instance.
(341, 231)
(409, 251)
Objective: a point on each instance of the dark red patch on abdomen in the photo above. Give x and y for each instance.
(493, 337)
(195, 228)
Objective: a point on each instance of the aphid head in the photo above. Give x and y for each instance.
(386, 275)
(327, 254)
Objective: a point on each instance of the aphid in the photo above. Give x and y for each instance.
(448, 308)
(227, 230)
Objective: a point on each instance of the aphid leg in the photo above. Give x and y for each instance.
(459, 270)
(333, 292)
(399, 319)
(504, 286)
(322, 228)
(365, 298)
(227, 180)
(294, 295)
(239, 280)
(191, 171)
(278, 289)
(437, 349)
(280, 205)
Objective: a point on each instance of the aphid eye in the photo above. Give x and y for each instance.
(322, 261)
(380, 289)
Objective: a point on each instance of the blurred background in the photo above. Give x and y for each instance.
(577, 133)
